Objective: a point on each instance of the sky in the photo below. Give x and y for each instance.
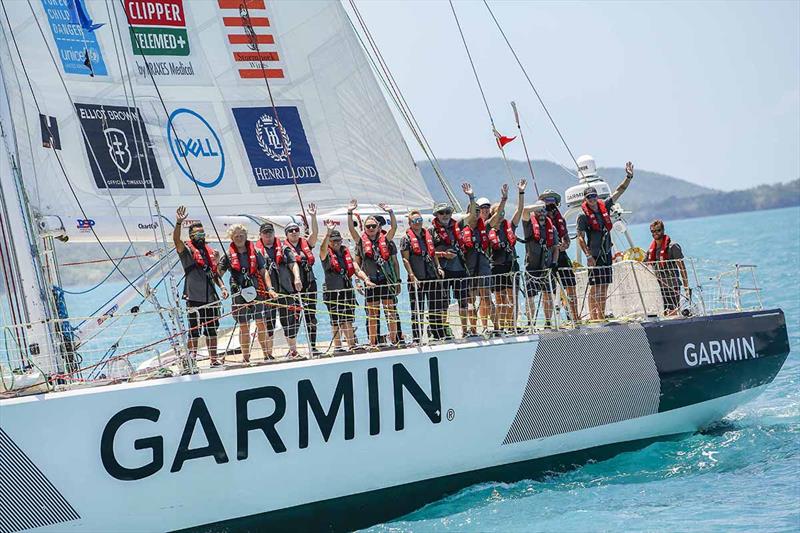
(704, 91)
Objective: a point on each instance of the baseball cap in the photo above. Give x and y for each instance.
(267, 227)
(549, 195)
(588, 191)
(290, 226)
(483, 201)
(442, 206)
(336, 235)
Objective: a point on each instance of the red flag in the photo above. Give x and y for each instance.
(502, 140)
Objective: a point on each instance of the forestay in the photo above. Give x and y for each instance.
(218, 133)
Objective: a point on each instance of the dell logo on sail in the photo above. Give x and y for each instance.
(196, 147)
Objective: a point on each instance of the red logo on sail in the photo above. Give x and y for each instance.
(251, 40)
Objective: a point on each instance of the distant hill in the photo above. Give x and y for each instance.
(719, 203)
(488, 174)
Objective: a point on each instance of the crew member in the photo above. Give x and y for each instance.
(566, 275)
(248, 274)
(666, 257)
(199, 262)
(594, 238)
(338, 293)
(284, 274)
(503, 240)
(541, 257)
(374, 251)
(449, 245)
(422, 266)
(302, 249)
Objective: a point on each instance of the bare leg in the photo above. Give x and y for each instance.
(573, 304)
(391, 316)
(548, 305)
(264, 338)
(349, 334)
(373, 315)
(244, 341)
(212, 347)
(337, 341)
(601, 304)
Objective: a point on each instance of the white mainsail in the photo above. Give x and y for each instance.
(122, 151)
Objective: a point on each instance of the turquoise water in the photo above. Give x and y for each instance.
(743, 476)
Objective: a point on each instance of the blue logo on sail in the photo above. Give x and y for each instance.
(77, 44)
(196, 147)
(270, 150)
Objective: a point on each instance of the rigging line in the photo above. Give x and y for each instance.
(530, 82)
(55, 152)
(254, 44)
(480, 87)
(435, 165)
(172, 126)
(550, 153)
(525, 147)
(76, 293)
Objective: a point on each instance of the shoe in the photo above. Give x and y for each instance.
(216, 363)
(316, 353)
(292, 354)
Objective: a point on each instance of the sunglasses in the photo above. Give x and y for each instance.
(293, 230)
(199, 234)
(656, 231)
(550, 200)
(592, 197)
(336, 241)
(371, 226)
(417, 220)
(485, 206)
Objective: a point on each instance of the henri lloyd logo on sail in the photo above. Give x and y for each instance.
(196, 147)
(259, 422)
(720, 351)
(119, 158)
(268, 146)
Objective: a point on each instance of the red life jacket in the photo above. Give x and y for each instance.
(305, 249)
(593, 223)
(661, 255)
(537, 232)
(278, 250)
(444, 236)
(198, 257)
(348, 261)
(511, 237)
(466, 232)
(233, 253)
(369, 250)
(561, 224)
(416, 249)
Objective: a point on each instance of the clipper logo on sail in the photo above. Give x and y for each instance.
(720, 351)
(118, 147)
(158, 28)
(196, 147)
(267, 145)
(258, 414)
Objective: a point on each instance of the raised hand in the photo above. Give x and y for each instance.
(353, 205)
(386, 207)
(181, 214)
(629, 169)
(521, 185)
(504, 191)
(312, 209)
(467, 188)
(331, 225)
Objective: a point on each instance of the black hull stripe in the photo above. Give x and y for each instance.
(368, 508)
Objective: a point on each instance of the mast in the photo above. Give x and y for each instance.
(35, 341)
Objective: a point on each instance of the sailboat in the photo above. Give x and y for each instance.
(245, 111)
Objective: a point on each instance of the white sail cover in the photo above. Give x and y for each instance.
(219, 133)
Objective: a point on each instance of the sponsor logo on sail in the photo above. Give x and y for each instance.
(50, 135)
(85, 225)
(157, 28)
(720, 351)
(151, 225)
(251, 39)
(273, 142)
(262, 415)
(196, 147)
(118, 147)
(75, 45)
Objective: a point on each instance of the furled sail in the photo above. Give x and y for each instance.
(167, 101)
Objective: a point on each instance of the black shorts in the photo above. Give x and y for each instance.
(381, 292)
(671, 297)
(459, 283)
(566, 275)
(503, 276)
(602, 273)
(538, 281)
(245, 313)
(341, 305)
(270, 315)
(202, 320)
(289, 311)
